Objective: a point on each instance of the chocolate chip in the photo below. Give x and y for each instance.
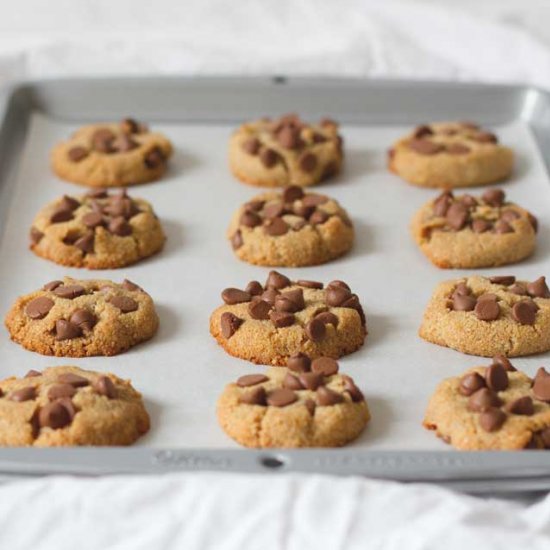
(97, 194)
(69, 292)
(309, 284)
(503, 361)
(464, 303)
(354, 392)
(315, 330)
(275, 227)
(308, 162)
(124, 303)
(469, 201)
(502, 227)
(281, 398)
(319, 138)
(254, 288)
(292, 193)
(233, 296)
(86, 243)
(299, 362)
(256, 396)
(229, 324)
(76, 154)
(237, 240)
(425, 147)
(509, 216)
(122, 207)
(327, 318)
(313, 199)
(281, 319)
(69, 203)
(124, 143)
(73, 379)
(102, 141)
(522, 405)
(505, 280)
(296, 297)
(61, 215)
(119, 226)
(277, 280)
(325, 366)
(105, 386)
(251, 146)
(83, 318)
(457, 149)
(289, 137)
(470, 383)
(291, 382)
(93, 219)
(494, 197)
(39, 307)
(327, 397)
(422, 131)
(310, 380)
(538, 288)
(65, 330)
(310, 406)
(154, 158)
(259, 309)
(35, 235)
(250, 219)
(318, 217)
(337, 296)
(519, 289)
(487, 309)
(60, 390)
(32, 373)
(492, 419)
(52, 285)
(269, 158)
(461, 289)
(496, 377)
(274, 209)
(24, 394)
(480, 225)
(270, 296)
(130, 126)
(442, 202)
(482, 400)
(457, 216)
(525, 312)
(534, 222)
(541, 385)
(129, 285)
(54, 415)
(251, 380)
(485, 137)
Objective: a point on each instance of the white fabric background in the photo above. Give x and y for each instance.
(491, 40)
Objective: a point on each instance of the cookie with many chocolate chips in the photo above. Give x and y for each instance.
(79, 318)
(97, 231)
(449, 155)
(492, 408)
(464, 231)
(268, 323)
(70, 406)
(489, 315)
(307, 404)
(290, 229)
(285, 151)
(112, 154)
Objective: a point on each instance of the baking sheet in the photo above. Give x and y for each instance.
(182, 370)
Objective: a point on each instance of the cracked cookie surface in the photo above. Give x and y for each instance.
(63, 406)
(464, 231)
(449, 155)
(112, 154)
(268, 323)
(492, 408)
(97, 231)
(285, 151)
(307, 404)
(290, 229)
(489, 315)
(78, 318)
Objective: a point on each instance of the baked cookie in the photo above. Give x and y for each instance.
(70, 406)
(267, 324)
(76, 318)
(489, 315)
(112, 154)
(450, 154)
(290, 229)
(307, 404)
(492, 408)
(467, 232)
(286, 151)
(97, 231)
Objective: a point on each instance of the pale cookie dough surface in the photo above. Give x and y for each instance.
(78, 318)
(287, 408)
(290, 229)
(112, 154)
(64, 406)
(97, 231)
(492, 408)
(477, 316)
(286, 151)
(267, 324)
(449, 155)
(464, 231)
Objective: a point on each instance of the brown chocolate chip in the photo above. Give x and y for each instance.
(69, 203)
(310, 406)
(281, 319)
(461, 289)
(480, 225)
(65, 330)
(237, 240)
(97, 194)
(233, 296)
(254, 288)
(354, 392)
(519, 289)
(270, 296)
(52, 285)
(296, 297)
(93, 219)
(505, 280)
(24, 394)
(256, 396)
(502, 227)
(492, 419)
(310, 380)
(129, 285)
(524, 312)
(130, 126)
(86, 243)
(327, 397)
(254, 206)
(291, 382)
(309, 284)
(538, 288)
(35, 235)
(32, 373)
(318, 217)
(487, 309)
(250, 219)
(281, 398)
(494, 197)
(54, 415)
(327, 318)
(105, 386)
(308, 162)
(313, 199)
(69, 292)
(534, 222)
(423, 131)
(251, 380)
(315, 330)
(299, 362)
(464, 303)
(269, 158)
(73, 379)
(442, 202)
(154, 158)
(119, 226)
(541, 385)
(83, 318)
(76, 154)
(337, 296)
(457, 216)
(229, 324)
(277, 280)
(468, 200)
(274, 209)
(102, 140)
(289, 137)
(457, 149)
(61, 214)
(522, 405)
(124, 303)
(482, 400)
(485, 137)
(470, 383)
(275, 227)
(503, 361)
(124, 143)
(509, 215)
(252, 146)
(39, 307)
(259, 309)
(425, 146)
(57, 391)
(122, 206)
(496, 377)
(325, 366)
(292, 193)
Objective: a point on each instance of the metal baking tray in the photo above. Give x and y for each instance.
(182, 371)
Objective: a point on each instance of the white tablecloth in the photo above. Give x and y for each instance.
(492, 40)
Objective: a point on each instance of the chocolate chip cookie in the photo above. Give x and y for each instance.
(464, 231)
(268, 323)
(492, 408)
(307, 404)
(285, 151)
(78, 318)
(97, 231)
(290, 229)
(489, 315)
(70, 406)
(449, 155)
(112, 154)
